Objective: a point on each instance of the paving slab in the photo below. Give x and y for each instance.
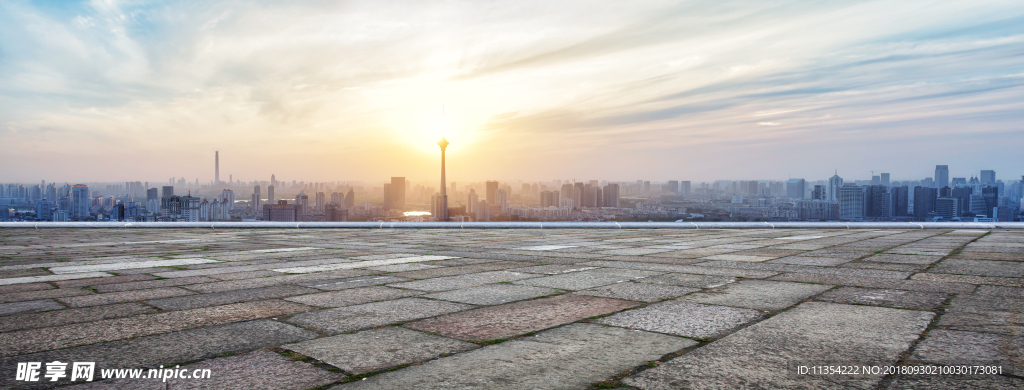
(353, 296)
(102, 281)
(74, 269)
(885, 297)
(124, 296)
(588, 279)
(166, 349)
(735, 257)
(362, 264)
(1007, 269)
(765, 354)
(346, 283)
(228, 297)
(464, 281)
(641, 292)
(403, 267)
(368, 315)
(886, 266)
(52, 278)
(492, 294)
(105, 288)
(684, 319)
(16, 288)
(900, 284)
(984, 313)
(244, 275)
(903, 259)
(29, 306)
(513, 319)
(569, 357)
(757, 294)
(808, 260)
(72, 316)
(553, 269)
(971, 279)
(460, 270)
(686, 269)
(689, 280)
(378, 349)
(34, 340)
(955, 348)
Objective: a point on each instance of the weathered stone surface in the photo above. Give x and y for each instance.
(228, 297)
(29, 306)
(587, 279)
(955, 382)
(553, 269)
(809, 260)
(954, 348)
(102, 281)
(766, 354)
(1006, 269)
(757, 294)
(72, 316)
(124, 296)
(905, 259)
(464, 281)
(642, 292)
(570, 357)
(689, 280)
(106, 288)
(378, 349)
(885, 297)
(353, 296)
(684, 319)
(492, 294)
(900, 284)
(984, 313)
(368, 315)
(34, 340)
(346, 283)
(512, 319)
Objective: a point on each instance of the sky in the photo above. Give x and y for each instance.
(535, 90)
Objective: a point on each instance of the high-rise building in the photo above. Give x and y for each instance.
(851, 202)
(795, 188)
(256, 199)
(941, 178)
(282, 212)
(43, 210)
(611, 194)
(991, 195)
(963, 195)
(483, 211)
(473, 201)
(947, 208)
(900, 201)
(492, 187)
(168, 191)
(501, 196)
(270, 194)
(834, 183)
(321, 200)
(924, 201)
(334, 212)
(548, 199)
(673, 186)
(885, 180)
(684, 187)
(818, 193)
(988, 177)
(350, 198)
(395, 194)
(878, 202)
(80, 201)
(302, 202)
(978, 205)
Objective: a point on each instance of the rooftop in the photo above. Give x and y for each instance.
(516, 308)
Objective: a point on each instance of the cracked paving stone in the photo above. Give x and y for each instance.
(757, 294)
(684, 319)
(954, 348)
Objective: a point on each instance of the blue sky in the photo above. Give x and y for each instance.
(658, 90)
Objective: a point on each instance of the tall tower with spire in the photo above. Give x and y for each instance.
(443, 214)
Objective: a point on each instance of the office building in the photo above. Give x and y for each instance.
(900, 201)
(501, 196)
(321, 200)
(334, 212)
(947, 208)
(474, 200)
(963, 194)
(270, 194)
(941, 178)
(492, 187)
(168, 191)
(256, 199)
(816, 210)
(877, 202)
(483, 211)
(851, 202)
(44, 210)
(795, 188)
(282, 212)
(924, 202)
(818, 193)
(672, 186)
(80, 201)
(548, 199)
(978, 205)
(350, 199)
(301, 202)
(885, 179)
(988, 178)
(394, 194)
(684, 187)
(834, 183)
(611, 194)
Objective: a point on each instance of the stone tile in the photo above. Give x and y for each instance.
(694, 253)
(746, 258)
(569, 357)
(72, 316)
(35, 340)
(102, 281)
(244, 275)
(228, 297)
(971, 279)
(105, 288)
(633, 251)
(378, 349)
(403, 267)
(886, 266)
(931, 382)
(1001, 291)
(641, 292)
(362, 264)
(512, 319)
(52, 278)
(545, 247)
(344, 319)
(766, 352)
(353, 296)
(553, 269)
(808, 260)
(166, 349)
(807, 269)
(953, 348)
(492, 294)
(74, 269)
(587, 279)
(1008, 269)
(124, 296)
(903, 259)
(346, 283)
(29, 306)
(984, 313)
(16, 288)
(463, 281)
(757, 294)
(460, 270)
(899, 284)
(689, 280)
(684, 319)
(885, 297)
(686, 269)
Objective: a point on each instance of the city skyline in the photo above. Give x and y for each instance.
(694, 91)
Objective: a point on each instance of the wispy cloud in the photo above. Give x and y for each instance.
(694, 90)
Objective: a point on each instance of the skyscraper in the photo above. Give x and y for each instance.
(851, 202)
(256, 199)
(988, 177)
(443, 201)
(492, 187)
(684, 187)
(321, 200)
(900, 201)
(473, 200)
(947, 208)
(302, 202)
(270, 194)
(924, 201)
(795, 188)
(885, 179)
(395, 194)
(941, 178)
(611, 194)
(80, 201)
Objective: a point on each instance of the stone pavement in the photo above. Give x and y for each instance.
(516, 309)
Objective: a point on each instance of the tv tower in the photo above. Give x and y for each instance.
(443, 143)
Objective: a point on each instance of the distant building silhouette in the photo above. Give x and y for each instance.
(941, 177)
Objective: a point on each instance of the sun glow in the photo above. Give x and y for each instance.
(422, 128)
